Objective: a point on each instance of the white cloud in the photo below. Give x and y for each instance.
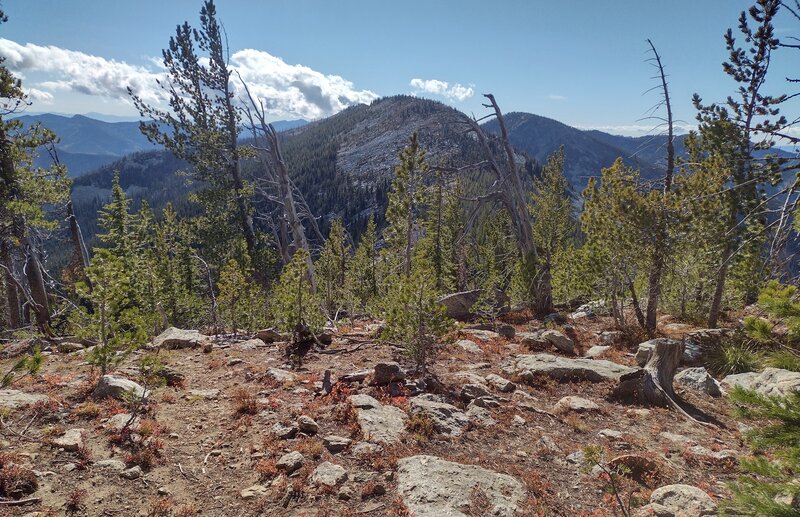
(295, 90)
(455, 92)
(80, 72)
(639, 129)
(288, 90)
(555, 97)
(35, 95)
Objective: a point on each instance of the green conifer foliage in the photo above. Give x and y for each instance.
(616, 219)
(406, 203)
(553, 220)
(332, 271)
(414, 319)
(292, 301)
(242, 305)
(115, 323)
(362, 276)
(443, 225)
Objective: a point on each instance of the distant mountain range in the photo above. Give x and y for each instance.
(87, 143)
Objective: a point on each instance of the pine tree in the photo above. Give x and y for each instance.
(115, 323)
(414, 318)
(699, 234)
(769, 485)
(176, 271)
(553, 221)
(145, 281)
(25, 193)
(750, 119)
(617, 220)
(203, 122)
(241, 303)
(115, 219)
(332, 267)
(494, 258)
(406, 202)
(362, 278)
(292, 301)
(443, 223)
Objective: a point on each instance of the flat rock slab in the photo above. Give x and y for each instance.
(772, 381)
(209, 394)
(379, 423)
(573, 404)
(483, 335)
(447, 419)
(698, 379)
(480, 416)
(596, 351)
(458, 305)
(270, 335)
(279, 375)
(119, 388)
(559, 340)
(249, 345)
(469, 346)
(70, 441)
(254, 491)
(178, 338)
(336, 444)
(528, 367)
(684, 500)
(328, 474)
(13, 399)
(118, 422)
(533, 340)
(290, 462)
(385, 373)
(433, 487)
(500, 383)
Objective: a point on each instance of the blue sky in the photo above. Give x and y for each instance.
(581, 62)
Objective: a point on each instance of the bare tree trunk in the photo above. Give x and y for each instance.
(277, 166)
(637, 308)
(283, 241)
(33, 273)
(512, 196)
(545, 297)
(652, 385)
(12, 297)
(660, 248)
(719, 290)
(77, 242)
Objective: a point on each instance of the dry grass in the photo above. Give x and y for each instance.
(244, 403)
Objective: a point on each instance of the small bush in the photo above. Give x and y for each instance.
(15, 480)
(785, 360)
(266, 470)
(89, 410)
(735, 357)
(244, 402)
(75, 500)
(161, 508)
(187, 510)
(421, 425)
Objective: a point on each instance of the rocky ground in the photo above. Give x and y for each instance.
(498, 428)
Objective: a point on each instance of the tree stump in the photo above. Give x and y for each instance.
(652, 385)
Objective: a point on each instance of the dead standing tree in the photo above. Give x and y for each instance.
(508, 190)
(276, 186)
(658, 259)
